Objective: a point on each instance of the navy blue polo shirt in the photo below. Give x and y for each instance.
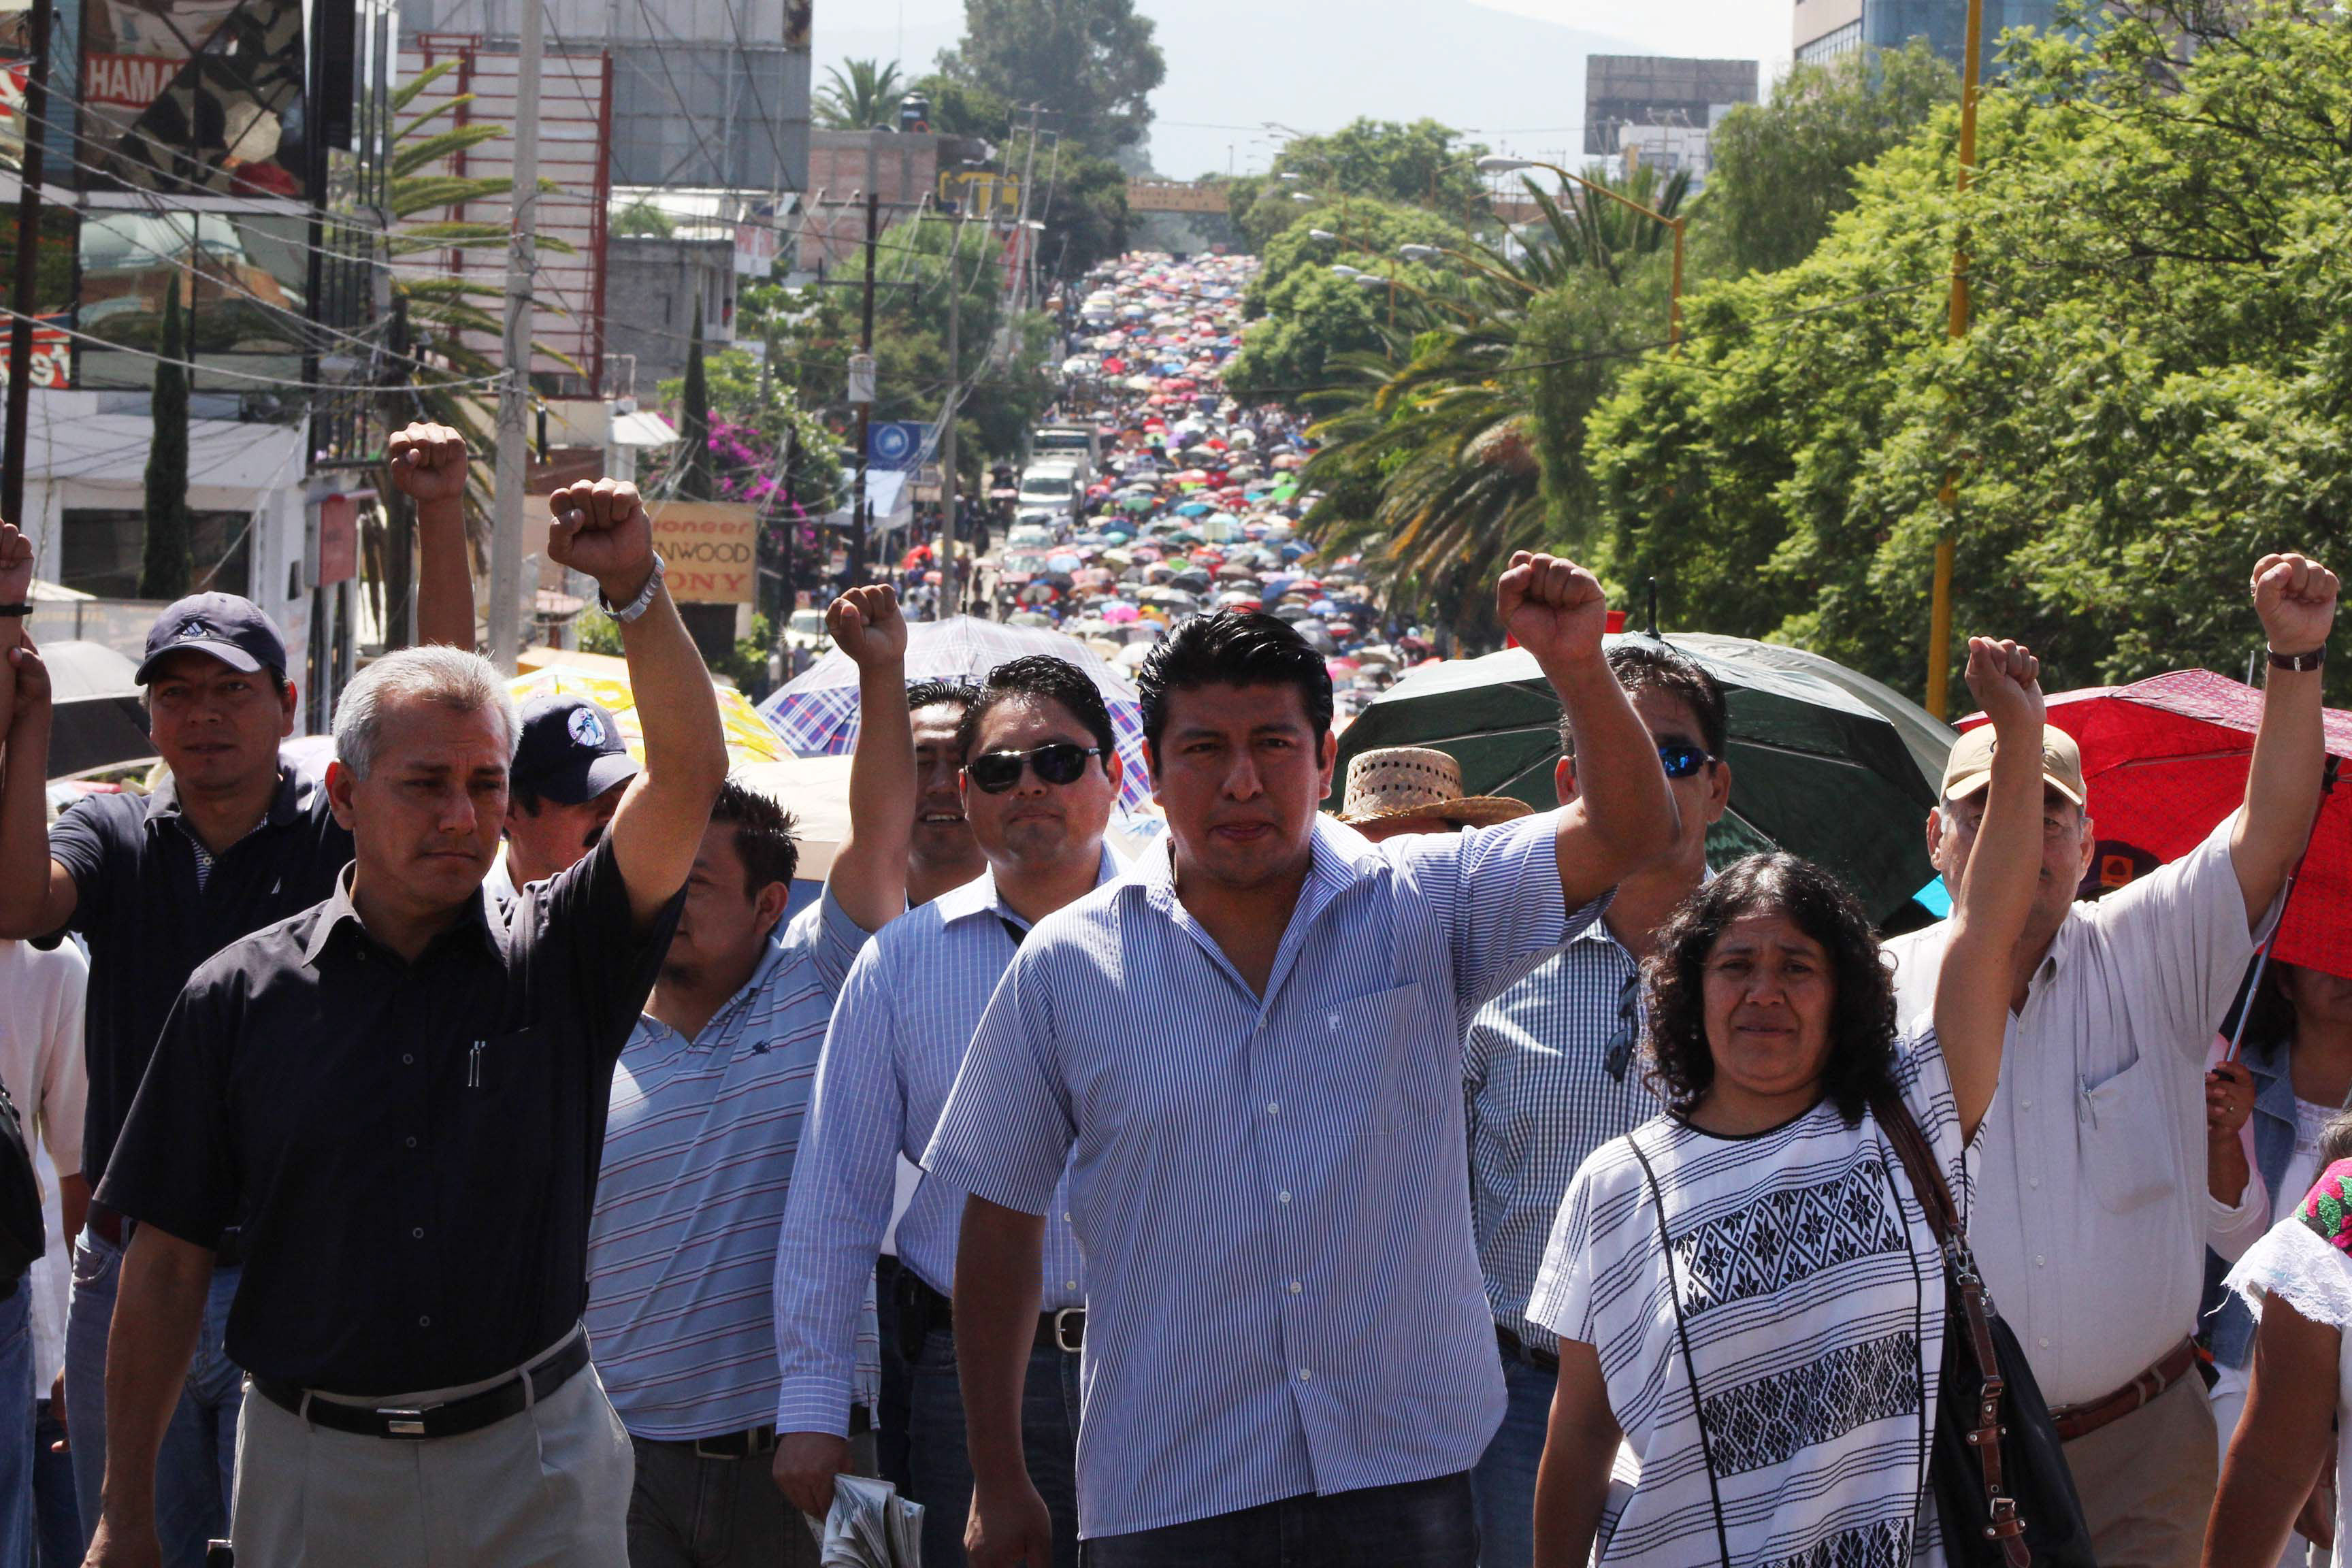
(408, 1150)
(149, 923)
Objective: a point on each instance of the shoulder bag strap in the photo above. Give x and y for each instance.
(1966, 1286)
(1682, 1336)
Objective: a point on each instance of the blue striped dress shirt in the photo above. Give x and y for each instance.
(1273, 1194)
(899, 1037)
(1537, 1081)
(699, 1149)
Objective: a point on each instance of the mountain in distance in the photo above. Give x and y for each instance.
(1511, 81)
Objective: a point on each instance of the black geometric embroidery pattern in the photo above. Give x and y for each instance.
(1886, 1544)
(1764, 1422)
(1789, 1235)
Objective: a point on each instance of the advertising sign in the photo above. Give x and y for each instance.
(710, 549)
(194, 95)
(52, 353)
(896, 444)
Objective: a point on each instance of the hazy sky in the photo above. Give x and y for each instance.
(1510, 70)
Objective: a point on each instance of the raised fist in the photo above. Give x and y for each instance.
(600, 527)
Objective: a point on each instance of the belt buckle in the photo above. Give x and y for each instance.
(1061, 1322)
(700, 1452)
(404, 1423)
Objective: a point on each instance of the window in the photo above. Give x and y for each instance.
(103, 547)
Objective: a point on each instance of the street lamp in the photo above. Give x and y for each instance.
(1419, 252)
(1500, 163)
(1322, 233)
(1341, 269)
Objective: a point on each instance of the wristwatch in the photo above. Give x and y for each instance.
(636, 607)
(2301, 663)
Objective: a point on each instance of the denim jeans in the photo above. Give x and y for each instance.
(55, 1519)
(1418, 1524)
(17, 1424)
(890, 1421)
(940, 1465)
(195, 1470)
(1504, 1480)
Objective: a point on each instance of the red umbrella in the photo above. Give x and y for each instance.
(2165, 760)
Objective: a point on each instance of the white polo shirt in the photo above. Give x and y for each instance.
(41, 995)
(2090, 1215)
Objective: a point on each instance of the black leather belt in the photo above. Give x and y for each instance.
(1064, 1330)
(1516, 1350)
(470, 1414)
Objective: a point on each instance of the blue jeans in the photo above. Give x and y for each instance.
(940, 1465)
(17, 1424)
(1418, 1524)
(1504, 1480)
(890, 1421)
(56, 1518)
(197, 1466)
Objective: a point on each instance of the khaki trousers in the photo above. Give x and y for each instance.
(548, 1487)
(2146, 1481)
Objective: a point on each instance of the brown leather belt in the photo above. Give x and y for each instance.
(2073, 1421)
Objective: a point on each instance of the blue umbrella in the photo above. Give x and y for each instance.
(1193, 509)
(1323, 607)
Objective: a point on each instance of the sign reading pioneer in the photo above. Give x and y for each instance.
(709, 549)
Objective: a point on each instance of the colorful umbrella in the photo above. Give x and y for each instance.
(749, 738)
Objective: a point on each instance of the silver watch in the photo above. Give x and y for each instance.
(636, 607)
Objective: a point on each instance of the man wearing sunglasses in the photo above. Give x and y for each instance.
(1551, 1070)
(1237, 1069)
(1040, 779)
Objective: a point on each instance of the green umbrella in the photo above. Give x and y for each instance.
(1825, 762)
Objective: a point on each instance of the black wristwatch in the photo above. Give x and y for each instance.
(2301, 663)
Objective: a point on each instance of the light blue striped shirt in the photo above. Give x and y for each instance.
(1273, 1193)
(699, 1149)
(905, 1017)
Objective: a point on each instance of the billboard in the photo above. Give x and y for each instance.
(709, 548)
(194, 96)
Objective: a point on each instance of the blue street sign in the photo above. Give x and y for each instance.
(897, 444)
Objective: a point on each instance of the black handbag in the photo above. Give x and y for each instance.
(22, 1237)
(2004, 1495)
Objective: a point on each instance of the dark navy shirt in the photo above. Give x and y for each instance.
(410, 1150)
(139, 905)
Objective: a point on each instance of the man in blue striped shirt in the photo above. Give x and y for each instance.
(897, 1040)
(1550, 1071)
(1248, 1054)
(705, 1114)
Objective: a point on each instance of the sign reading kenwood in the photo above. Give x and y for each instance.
(710, 549)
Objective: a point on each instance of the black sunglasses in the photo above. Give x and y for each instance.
(1059, 762)
(1682, 760)
(1619, 1047)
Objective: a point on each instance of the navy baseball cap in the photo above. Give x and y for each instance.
(228, 628)
(571, 751)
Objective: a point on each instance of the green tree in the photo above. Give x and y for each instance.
(694, 481)
(961, 108)
(642, 217)
(1091, 64)
(869, 95)
(2150, 396)
(1782, 169)
(167, 565)
(1085, 214)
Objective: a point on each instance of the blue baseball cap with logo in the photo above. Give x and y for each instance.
(571, 751)
(220, 626)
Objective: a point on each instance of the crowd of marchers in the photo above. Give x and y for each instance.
(467, 1160)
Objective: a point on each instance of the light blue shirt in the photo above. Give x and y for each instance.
(1273, 1193)
(905, 1017)
(699, 1152)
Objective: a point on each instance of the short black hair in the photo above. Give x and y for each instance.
(1233, 647)
(954, 693)
(1055, 681)
(763, 836)
(1681, 1065)
(1647, 666)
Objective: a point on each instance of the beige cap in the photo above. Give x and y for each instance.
(1414, 780)
(1970, 766)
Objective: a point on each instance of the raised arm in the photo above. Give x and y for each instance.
(37, 894)
(428, 465)
(2296, 598)
(1625, 813)
(1997, 893)
(869, 873)
(602, 529)
(16, 588)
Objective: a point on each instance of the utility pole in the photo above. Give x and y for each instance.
(28, 244)
(1939, 612)
(949, 603)
(864, 405)
(1028, 170)
(514, 390)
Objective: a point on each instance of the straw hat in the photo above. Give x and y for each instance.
(1413, 781)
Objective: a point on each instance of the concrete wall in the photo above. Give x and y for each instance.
(649, 296)
(1657, 90)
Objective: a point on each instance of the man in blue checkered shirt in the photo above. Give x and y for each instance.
(1551, 1070)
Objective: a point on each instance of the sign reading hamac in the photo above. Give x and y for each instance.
(710, 549)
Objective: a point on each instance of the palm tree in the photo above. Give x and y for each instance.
(867, 96)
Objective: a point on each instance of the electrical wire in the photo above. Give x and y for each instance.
(213, 368)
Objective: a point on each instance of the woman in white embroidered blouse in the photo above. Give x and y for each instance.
(1745, 1288)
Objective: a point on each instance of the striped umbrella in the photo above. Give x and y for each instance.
(816, 712)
